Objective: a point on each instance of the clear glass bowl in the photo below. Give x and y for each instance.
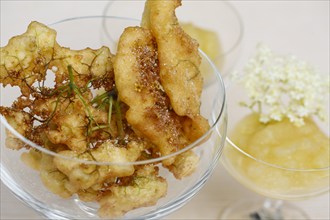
(219, 17)
(26, 183)
(292, 174)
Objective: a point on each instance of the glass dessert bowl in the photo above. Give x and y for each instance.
(280, 159)
(216, 25)
(46, 179)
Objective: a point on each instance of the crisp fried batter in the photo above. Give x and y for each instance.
(142, 106)
(52, 178)
(70, 122)
(71, 119)
(145, 189)
(138, 84)
(109, 152)
(24, 60)
(137, 80)
(179, 64)
(21, 122)
(150, 112)
(84, 176)
(32, 158)
(71, 131)
(88, 65)
(184, 165)
(178, 57)
(27, 58)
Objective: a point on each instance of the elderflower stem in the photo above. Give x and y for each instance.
(75, 89)
(119, 119)
(110, 110)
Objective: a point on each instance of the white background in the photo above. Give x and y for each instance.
(297, 27)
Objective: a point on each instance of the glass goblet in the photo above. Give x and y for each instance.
(277, 171)
(47, 188)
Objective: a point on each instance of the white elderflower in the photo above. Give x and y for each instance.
(283, 86)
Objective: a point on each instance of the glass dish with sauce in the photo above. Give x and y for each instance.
(277, 159)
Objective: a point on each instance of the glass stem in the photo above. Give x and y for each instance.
(270, 210)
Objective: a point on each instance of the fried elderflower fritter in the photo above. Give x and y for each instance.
(179, 63)
(145, 189)
(138, 84)
(21, 122)
(150, 113)
(178, 56)
(24, 60)
(84, 176)
(137, 80)
(184, 165)
(53, 179)
(27, 57)
(141, 104)
(88, 65)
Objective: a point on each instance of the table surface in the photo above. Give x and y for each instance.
(270, 22)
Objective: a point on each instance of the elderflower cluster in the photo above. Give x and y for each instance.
(283, 86)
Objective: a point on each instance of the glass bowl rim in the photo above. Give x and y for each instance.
(232, 144)
(197, 142)
(241, 30)
(238, 41)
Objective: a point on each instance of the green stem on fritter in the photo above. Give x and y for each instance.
(110, 111)
(99, 98)
(75, 89)
(119, 120)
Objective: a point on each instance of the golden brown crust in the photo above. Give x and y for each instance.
(27, 58)
(150, 112)
(178, 57)
(156, 113)
(179, 64)
(24, 59)
(145, 188)
(21, 122)
(138, 84)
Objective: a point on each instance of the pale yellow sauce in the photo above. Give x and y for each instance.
(282, 144)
